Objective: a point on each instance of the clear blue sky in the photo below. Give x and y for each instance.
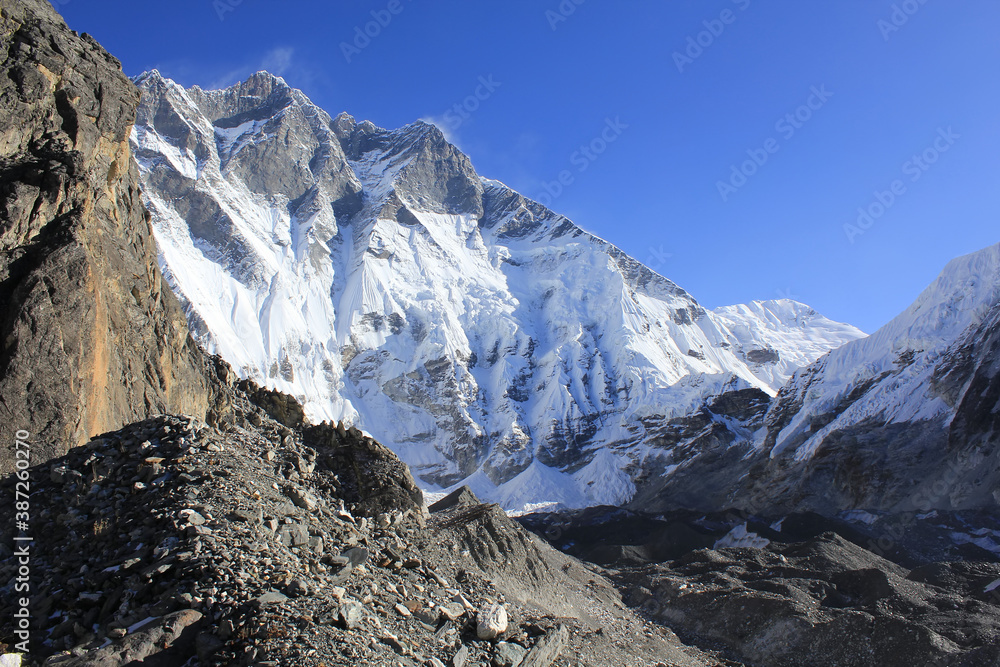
(654, 190)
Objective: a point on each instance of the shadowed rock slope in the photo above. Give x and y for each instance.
(91, 337)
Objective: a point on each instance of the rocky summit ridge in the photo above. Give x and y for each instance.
(374, 274)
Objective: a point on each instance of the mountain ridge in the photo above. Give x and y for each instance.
(470, 328)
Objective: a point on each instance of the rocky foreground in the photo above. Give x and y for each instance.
(258, 539)
(262, 541)
(803, 589)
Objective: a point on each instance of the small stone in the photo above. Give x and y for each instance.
(452, 612)
(247, 516)
(461, 657)
(356, 556)
(117, 633)
(192, 517)
(271, 597)
(90, 598)
(397, 645)
(441, 581)
(491, 622)
(545, 652)
(302, 498)
(508, 654)
(402, 610)
(351, 613)
(297, 588)
(429, 617)
(293, 535)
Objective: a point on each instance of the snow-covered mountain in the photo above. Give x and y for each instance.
(905, 420)
(374, 275)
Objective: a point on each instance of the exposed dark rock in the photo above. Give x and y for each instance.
(462, 496)
(369, 475)
(764, 356)
(92, 337)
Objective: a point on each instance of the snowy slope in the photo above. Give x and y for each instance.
(797, 333)
(374, 275)
(893, 376)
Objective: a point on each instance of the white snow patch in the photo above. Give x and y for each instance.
(739, 536)
(859, 516)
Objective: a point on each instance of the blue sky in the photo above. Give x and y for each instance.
(668, 122)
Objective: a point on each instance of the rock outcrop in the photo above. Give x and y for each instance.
(91, 337)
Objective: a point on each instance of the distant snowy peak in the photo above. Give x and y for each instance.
(897, 374)
(376, 276)
(904, 420)
(780, 336)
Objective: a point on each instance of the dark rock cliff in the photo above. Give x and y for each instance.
(91, 337)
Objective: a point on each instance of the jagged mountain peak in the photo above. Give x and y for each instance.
(374, 274)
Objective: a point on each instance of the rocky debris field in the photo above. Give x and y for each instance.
(788, 593)
(258, 539)
(250, 542)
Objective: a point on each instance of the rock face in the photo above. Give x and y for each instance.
(484, 338)
(91, 337)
